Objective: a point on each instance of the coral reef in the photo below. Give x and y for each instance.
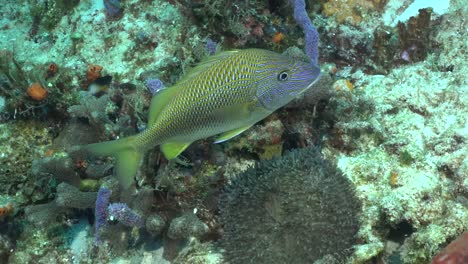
(113, 8)
(59, 166)
(352, 11)
(414, 37)
(199, 253)
(96, 111)
(21, 143)
(49, 13)
(400, 139)
(264, 140)
(42, 214)
(297, 199)
(67, 197)
(71, 197)
(389, 110)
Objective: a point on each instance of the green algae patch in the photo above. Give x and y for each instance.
(406, 158)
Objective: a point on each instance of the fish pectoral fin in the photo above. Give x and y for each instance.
(230, 134)
(172, 149)
(159, 102)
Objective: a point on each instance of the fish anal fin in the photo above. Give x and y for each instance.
(230, 134)
(158, 102)
(172, 149)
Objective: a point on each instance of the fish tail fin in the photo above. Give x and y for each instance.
(127, 157)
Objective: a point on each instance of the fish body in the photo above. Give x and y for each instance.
(224, 95)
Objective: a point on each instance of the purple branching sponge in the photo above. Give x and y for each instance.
(100, 213)
(211, 46)
(122, 213)
(154, 85)
(311, 33)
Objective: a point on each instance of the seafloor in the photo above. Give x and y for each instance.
(369, 166)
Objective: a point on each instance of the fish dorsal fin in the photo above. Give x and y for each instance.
(172, 149)
(158, 102)
(230, 134)
(206, 63)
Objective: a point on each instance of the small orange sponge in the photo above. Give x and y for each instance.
(278, 37)
(93, 72)
(37, 92)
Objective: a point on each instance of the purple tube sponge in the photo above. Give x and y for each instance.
(122, 213)
(113, 8)
(311, 33)
(100, 213)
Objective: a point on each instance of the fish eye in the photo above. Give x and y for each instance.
(283, 76)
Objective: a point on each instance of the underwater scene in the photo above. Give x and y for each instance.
(234, 132)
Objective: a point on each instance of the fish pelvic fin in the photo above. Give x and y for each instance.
(127, 157)
(159, 102)
(172, 149)
(230, 134)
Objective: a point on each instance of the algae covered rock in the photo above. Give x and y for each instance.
(155, 224)
(296, 209)
(185, 226)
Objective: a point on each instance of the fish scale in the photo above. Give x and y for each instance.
(225, 89)
(225, 95)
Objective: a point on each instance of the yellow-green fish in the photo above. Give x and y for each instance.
(225, 95)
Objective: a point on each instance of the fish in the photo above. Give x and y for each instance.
(222, 96)
(100, 85)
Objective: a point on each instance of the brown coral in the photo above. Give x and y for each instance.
(6, 210)
(52, 69)
(414, 36)
(352, 11)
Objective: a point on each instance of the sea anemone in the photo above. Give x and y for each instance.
(295, 209)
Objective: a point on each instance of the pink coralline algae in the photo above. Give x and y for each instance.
(455, 253)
